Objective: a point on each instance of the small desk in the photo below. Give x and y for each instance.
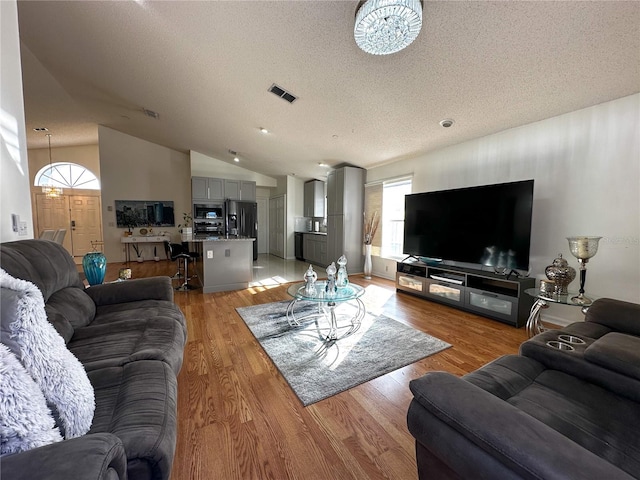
(534, 324)
(143, 239)
(349, 293)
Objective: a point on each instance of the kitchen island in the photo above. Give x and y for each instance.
(226, 263)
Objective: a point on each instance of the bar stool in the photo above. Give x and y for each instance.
(180, 254)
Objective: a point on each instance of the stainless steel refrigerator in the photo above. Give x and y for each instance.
(242, 221)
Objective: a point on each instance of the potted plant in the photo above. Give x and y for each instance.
(139, 258)
(185, 228)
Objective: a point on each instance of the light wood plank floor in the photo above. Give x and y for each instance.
(238, 418)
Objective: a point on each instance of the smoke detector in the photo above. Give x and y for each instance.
(446, 123)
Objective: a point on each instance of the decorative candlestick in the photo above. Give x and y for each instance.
(583, 248)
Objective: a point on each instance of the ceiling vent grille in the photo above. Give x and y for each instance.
(151, 113)
(282, 93)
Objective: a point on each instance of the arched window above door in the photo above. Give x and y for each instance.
(66, 175)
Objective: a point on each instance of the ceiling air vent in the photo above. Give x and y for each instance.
(282, 93)
(151, 113)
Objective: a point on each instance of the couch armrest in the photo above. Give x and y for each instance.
(153, 288)
(98, 456)
(498, 438)
(620, 316)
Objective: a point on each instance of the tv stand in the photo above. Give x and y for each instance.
(488, 294)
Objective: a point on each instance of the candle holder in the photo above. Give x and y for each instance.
(583, 248)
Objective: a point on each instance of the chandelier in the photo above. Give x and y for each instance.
(387, 26)
(49, 190)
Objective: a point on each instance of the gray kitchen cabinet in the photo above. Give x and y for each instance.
(315, 249)
(232, 189)
(207, 188)
(345, 216)
(240, 190)
(247, 191)
(314, 199)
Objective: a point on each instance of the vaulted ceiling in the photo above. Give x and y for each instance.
(206, 69)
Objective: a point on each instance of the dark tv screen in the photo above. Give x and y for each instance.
(488, 225)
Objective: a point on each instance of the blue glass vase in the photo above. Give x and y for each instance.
(94, 265)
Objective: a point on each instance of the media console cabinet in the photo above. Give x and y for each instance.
(485, 293)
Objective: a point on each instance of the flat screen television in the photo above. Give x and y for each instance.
(488, 225)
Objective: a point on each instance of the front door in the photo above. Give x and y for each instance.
(86, 224)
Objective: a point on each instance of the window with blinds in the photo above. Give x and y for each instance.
(387, 199)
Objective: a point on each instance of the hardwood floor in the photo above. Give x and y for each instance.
(238, 418)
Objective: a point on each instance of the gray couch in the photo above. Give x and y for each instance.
(130, 337)
(546, 413)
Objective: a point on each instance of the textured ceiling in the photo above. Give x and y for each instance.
(206, 68)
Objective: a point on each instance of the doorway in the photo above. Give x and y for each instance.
(79, 214)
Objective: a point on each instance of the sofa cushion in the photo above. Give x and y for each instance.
(25, 419)
(116, 343)
(618, 352)
(74, 305)
(593, 417)
(137, 403)
(108, 314)
(615, 314)
(46, 264)
(60, 376)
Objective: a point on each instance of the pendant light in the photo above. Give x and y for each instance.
(49, 190)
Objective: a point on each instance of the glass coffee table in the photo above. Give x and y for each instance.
(534, 322)
(326, 308)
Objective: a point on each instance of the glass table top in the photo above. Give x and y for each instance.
(555, 298)
(343, 294)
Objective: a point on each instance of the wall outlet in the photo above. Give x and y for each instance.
(209, 253)
(22, 232)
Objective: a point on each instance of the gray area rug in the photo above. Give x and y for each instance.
(317, 369)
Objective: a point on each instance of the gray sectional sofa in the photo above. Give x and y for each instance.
(129, 337)
(547, 413)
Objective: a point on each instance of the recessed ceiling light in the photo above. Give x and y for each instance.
(446, 123)
(41, 129)
(264, 130)
(236, 159)
(323, 165)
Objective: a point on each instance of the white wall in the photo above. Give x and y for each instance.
(204, 166)
(86, 155)
(15, 197)
(134, 169)
(586, 166)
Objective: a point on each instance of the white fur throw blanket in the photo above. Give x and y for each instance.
(25, 419)
(42, 351)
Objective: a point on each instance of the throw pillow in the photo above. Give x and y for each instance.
(43, 353)
(25, 420)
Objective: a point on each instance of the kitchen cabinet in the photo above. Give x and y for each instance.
(315, 249)
(345, 216)
(232, 189)
(314, 199)
(247, 191)
(206, 188)
(219, 189)
(240, 190)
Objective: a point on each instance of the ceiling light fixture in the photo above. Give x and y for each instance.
(236, 159)
(264, 130)
(323, 165)
(446, 123)
(387, 26)
(49, 190)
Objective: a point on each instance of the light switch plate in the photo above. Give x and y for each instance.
(209, 253)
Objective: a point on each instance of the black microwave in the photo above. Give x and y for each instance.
(209, 211)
